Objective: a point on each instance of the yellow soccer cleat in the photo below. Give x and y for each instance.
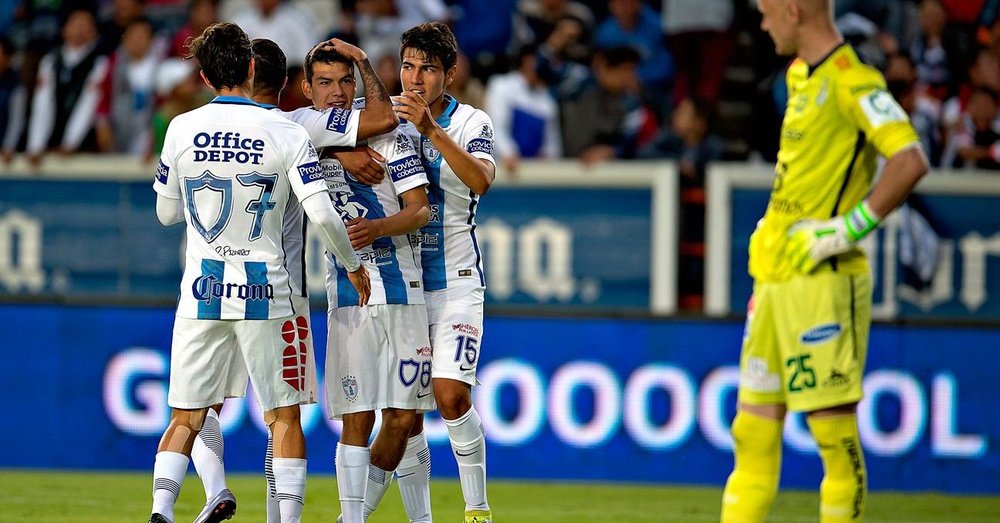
(478, 516)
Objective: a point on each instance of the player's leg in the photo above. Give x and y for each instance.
(407, 357)
(753, 484)
(354, 378)
(386, 454)
(267, 345)
(200, 351)
(838, 343)
(206, 455)
(414, 474)
(456, 329)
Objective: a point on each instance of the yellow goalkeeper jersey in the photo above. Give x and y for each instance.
(839, 116)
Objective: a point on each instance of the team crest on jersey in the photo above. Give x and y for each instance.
(350, 385)
(430, 152)
(206, 187)
(348, 208)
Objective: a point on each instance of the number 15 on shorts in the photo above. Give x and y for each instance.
(466, 346)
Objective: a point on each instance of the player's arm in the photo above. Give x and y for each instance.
(320, 211)
(169, 206)
(169, 210)
(886, 125)
(414, 215)
(377, 117)
(476, 173)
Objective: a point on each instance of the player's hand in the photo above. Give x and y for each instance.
(363, 162)
(362, 232)
(362, 283)
(810, 242)
(412, 107)
(353, 52)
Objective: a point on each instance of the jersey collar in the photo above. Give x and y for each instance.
(811, 68)
(234, 100)
(452, 105)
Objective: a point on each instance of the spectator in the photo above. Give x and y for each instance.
(559, 58)
(535, 20)
(603, 121)
(380, 22)
(465, 87)
(984, 72)
(68, 90)
(126, 109)
(201, 14)
(286, 24)
(13, 98)
(484, 28)
(924, 110)
(525, 115)
(179, 87)
(935, 57)
(976, 143)
(112, 27)
(691, 144)
(700, 39)
(635, 25)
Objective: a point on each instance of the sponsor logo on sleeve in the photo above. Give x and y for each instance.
(405, 167)
(880, 108)
(310, 172)
(403, 144)
(162, 171)
(338, 120)
(483, 143)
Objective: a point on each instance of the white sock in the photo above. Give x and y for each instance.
(468, 443)
(168, 475)
(206, 454)
(414, 477)
(352, 480)
(290, 485)
(378, 483)
(273, 509)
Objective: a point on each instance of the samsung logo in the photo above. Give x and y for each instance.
(820, 333)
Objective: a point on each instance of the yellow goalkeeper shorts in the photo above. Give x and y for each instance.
(806, 340)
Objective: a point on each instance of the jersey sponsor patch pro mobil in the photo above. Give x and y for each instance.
(449, 251)
(392, 262)
(236, 167)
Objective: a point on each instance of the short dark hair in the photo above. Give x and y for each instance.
(435, 40)
(269, 66)
(224, 52)
(324, 56)
(615, 56)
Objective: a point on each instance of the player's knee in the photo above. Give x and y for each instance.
(748, 435)
(287, 416)
(453, 398)
(192, 419)
(398, 421)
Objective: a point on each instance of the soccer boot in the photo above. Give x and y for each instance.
(159, 518)
(219, 508)
(478, 516)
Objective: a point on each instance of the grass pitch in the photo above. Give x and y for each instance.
(107, 497)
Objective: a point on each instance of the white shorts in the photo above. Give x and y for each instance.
(456, 330)
(378, 357)
(302, 340)
(202, 355)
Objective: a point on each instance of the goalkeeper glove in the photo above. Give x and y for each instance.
(810, 242)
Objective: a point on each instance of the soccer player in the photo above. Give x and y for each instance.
(328, 128)
(230, 169)
(378, 357)
(808, 320)
(456, 146)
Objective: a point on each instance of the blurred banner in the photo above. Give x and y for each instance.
(597, 240)
(939, 258)
(578, 399)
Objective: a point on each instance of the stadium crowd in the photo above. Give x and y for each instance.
(586, 79)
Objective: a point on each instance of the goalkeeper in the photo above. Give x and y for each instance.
(807, 326)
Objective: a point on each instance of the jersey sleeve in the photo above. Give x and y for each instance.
(165, 181)
(401, 161)
(867, 104)
(330, 128)
(477, 136)
(305, 175)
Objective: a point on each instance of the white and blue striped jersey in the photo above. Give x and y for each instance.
(236, 166)
(449, 251)
(392, 262)
(328, 128)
